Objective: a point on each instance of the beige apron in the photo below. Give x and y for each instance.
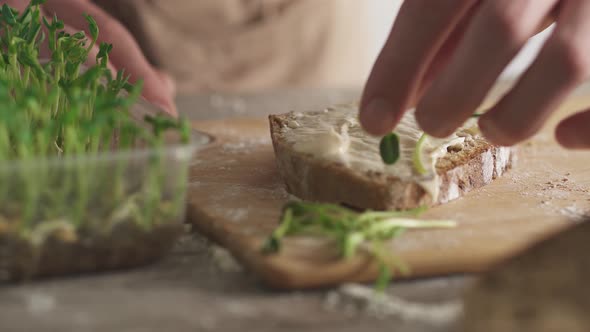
(245, 45)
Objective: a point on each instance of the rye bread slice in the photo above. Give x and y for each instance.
(310, 178)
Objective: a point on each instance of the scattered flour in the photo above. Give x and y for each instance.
(192, 242)
(246, 145)
(40, 304)
(238, 190)
(195, 184)
(240, 309)
(224, 260)
(208, 322)
(558, 194)
(235, 105)
(236, 215)
(354, 298)
(574, 212)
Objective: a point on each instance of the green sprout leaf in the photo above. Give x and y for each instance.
(79, 35)
(92, 27)
(160, 124)
(273, 244)
(104, 50)
(47, 24)
(390, 149)
(417, 156)
(25, 16)
(8, 15)
(57, 23)
(383, 278)
(185, 130)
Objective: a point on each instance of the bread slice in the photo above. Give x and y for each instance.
(324, 170)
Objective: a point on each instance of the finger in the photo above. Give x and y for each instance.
(561, 66)
(419, 32)
(442, 57)
(19, 5)
(170, 85)
(168, 81)
(126, 52)
(498, 32)
(449, 47)
(574, 132)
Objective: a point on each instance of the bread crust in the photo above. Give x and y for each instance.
(308, 178)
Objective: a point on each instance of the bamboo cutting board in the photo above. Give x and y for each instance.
(236, 196)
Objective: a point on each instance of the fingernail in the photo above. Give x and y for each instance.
(378, 117)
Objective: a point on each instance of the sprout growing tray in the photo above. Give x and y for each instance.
(87, 213)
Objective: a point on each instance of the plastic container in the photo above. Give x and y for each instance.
(69, 215)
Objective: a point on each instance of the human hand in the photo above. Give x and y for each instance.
(158, 87)
(444, 57)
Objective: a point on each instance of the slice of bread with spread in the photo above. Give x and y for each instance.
(326, 156)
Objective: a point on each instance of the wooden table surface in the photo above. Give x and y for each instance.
(195, 288)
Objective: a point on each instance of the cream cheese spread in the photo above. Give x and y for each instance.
(335, 135)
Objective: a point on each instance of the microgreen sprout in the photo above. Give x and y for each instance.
(417, 155)
(389, 149)
(69, 106)
(352, 231)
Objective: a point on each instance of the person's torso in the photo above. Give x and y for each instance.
(237, 45)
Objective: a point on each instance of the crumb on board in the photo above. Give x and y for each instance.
(559, 194)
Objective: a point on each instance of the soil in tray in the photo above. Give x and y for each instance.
(65, 251)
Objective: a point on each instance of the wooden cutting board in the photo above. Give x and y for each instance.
(236, 197)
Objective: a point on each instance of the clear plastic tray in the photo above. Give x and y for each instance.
(89, 213)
